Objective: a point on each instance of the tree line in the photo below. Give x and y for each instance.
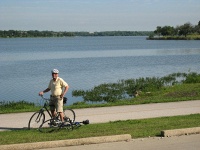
(36, 33)
(181, 30)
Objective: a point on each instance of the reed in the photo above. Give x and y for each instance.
(130, 88)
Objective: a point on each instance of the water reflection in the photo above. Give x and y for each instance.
(24, 56)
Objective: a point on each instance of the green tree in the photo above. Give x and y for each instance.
(185, 29)
(158, 30)
(197, 28)
(167, 30)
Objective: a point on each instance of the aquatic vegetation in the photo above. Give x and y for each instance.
(124, 89)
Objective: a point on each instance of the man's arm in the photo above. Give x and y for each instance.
(42, 92)
(65, 91)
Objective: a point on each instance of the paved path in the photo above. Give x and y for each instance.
(191, 142)
(106, 114)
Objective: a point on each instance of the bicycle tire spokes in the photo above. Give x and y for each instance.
(66, 125)
(69, 115)
(76, 125)
(53, 125)
(49, 126)
(36, 120)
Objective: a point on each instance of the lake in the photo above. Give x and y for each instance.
(85, 62)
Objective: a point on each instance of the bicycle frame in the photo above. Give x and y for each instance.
(40, 115)
(45, 107)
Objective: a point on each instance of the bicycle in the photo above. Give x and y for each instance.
(53, 125)
(39, 117)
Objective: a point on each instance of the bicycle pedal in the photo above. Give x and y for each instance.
(53, 123)
(66, 119)
(62, 124)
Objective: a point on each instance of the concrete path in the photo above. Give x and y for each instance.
(106, 114)
(191, 142)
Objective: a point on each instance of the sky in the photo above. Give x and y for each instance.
(96, 15)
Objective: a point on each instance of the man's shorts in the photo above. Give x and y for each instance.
(56, 103)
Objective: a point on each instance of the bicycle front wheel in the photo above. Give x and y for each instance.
(69, 113)
(49, 126)
(36, 120)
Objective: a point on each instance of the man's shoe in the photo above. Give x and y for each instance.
(62, 124)
(53, 123)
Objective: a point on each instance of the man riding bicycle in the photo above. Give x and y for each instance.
(58, 88)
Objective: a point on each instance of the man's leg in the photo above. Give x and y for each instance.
(52, 107)
(60, 109)
(53, 113)
(61, 116)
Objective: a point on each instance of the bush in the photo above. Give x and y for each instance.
(11, 106)
(192, 78)
(123, 89)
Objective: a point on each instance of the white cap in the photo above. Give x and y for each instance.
(55, 71)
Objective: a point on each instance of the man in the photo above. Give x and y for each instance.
(58, 88)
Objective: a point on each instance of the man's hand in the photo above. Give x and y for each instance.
(41, 93)
(62, 95)
(65, 91)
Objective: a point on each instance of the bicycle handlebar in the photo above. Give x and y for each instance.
(44, 98)
(47, 99)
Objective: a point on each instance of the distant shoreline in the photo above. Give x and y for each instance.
(174, 38)
(35, 33)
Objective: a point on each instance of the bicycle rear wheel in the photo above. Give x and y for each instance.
(36, 120)
(70, 114)
(49, 126)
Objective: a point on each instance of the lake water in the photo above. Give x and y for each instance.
(85, 62)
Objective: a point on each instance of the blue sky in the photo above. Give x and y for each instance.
(96, 15)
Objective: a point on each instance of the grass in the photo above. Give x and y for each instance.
(137, 128)
(15, 107)
(188, 37)
(179, 92)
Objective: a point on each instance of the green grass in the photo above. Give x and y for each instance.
(179, 92)
(15, 107)
(188, 37)
(137, 129)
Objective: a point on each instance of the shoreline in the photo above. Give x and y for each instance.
(173, 38)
